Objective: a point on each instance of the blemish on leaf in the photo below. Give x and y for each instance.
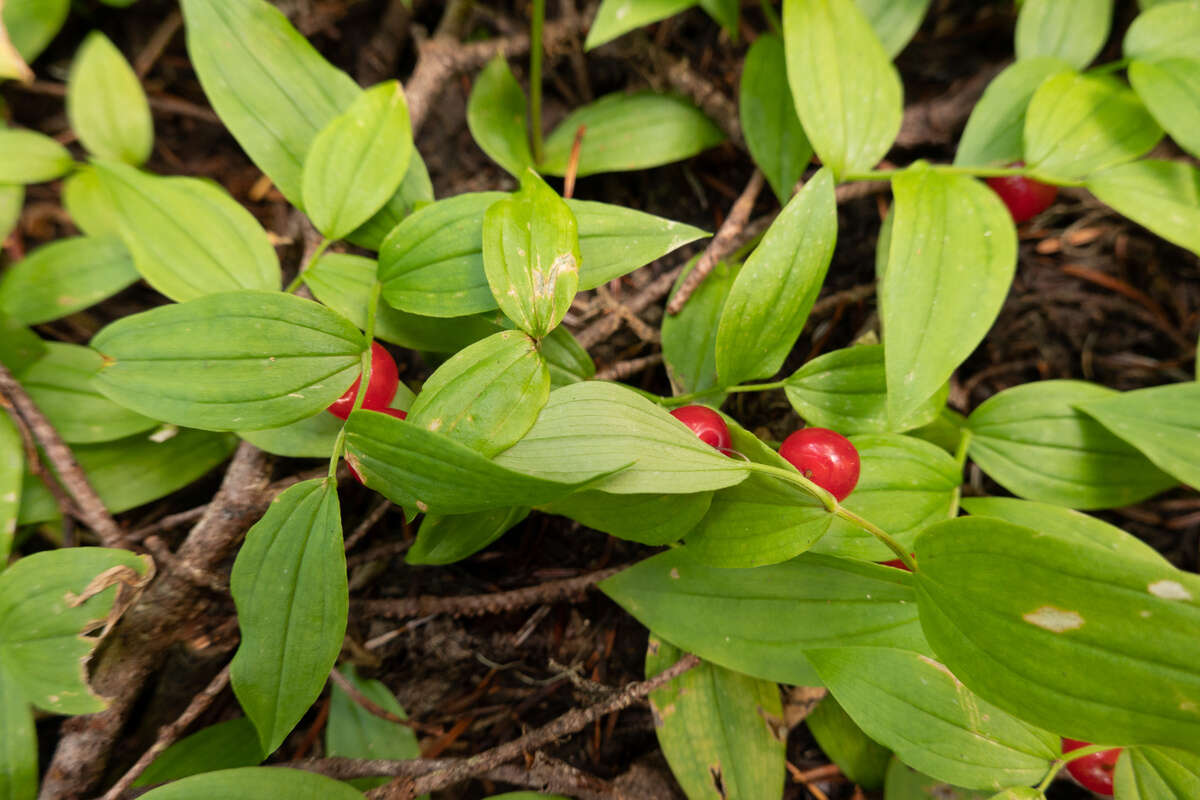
(674, 573)
(714, 771)
(775, 724)
(1169, 590)
(434, 424)
(422, 507)
(296, 394)
(544, 283)
(165, 433)
(1055, 620)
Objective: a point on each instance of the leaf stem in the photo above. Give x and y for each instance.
(535, 78)
(1112, 66)
(684, 399)
(792, 476)
(299, 279)
(365, 379)
(880, 534)
(960, 457)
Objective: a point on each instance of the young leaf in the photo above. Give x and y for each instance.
(496, 114)
(357, 161)
(1157, 773)
(1033, 441)
(1164, 196)
(651, 519)
(777, 286)
(106, 105)
(773, 132)
(627, 132)
(905, 783)
(951, 261)
(894, 21)
(226, 745)
(255, 783)
(32, 24)
(281, 359)
(689, 338)
(1077, 125)
(289, 584)
(65, 276)
(18, 748)
(531, 256)
(732, 617)
(721, 732)
(1072, 30)
(1172, 31)
(19, 346)
(31, 157)
(12, 468)
(446, 539)
(616, 17)
(1171, 91)
(1078, 640)
(995, 132)
(847, 93)
(12, 197)
(355, 732)
(860, 758)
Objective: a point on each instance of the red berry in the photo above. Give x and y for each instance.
(705, 423)
(1025, 198)
(380, 391)
(897, 563)
(824, 457)
(1093, 772)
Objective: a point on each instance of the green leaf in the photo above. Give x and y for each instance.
(614, 241)
(1170, 30)
(1164, 196)
(773, 132)
(905, 783)
(106, 106)
(357, 161)
(566, 359)
(19, 346)
(1161, 422)
(915, 706)
(86, 201)
(130, 472)
(951, 261)
(32, 24)
(616, 17)
(995, 132)
(226, 745)
(1161, 773)
(1171, 91)
(279, 359)
(12, 198)
(48, 600)
(415, 467)
(627, 132)
(894, 21)
(651, 519)
(312, 437)
(255, 783)
(60, 383)
(1072, 30)
(531, 255)
(12, 468)
(31, 157)
(846, 391)
(289, 584)
(725, 13)
(65, 276)
(354, 732)
(762, 621)
(846, 91)
(415, 191)
(689, 338)
(158, 218)
(1077, 125)
(860, 758)
(721, 732)
(777, 286)
(1033, 441)
(905, 485)
(945, 431)
(18, 748)
(446, 539)
(496, 113)
(596, 426)
(1081, 641)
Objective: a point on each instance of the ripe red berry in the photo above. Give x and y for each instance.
(1025, 198)
(705, 423)
(825, 457)
(1093, 772)
(380, 391)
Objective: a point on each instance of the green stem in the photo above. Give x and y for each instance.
(1046, 781)
(299, 279)
(1112, 66)
(772, 18)
(960, 456)
(684, 399)
(792, 476)
(1091, 749)
(535, 78)
(878, 533)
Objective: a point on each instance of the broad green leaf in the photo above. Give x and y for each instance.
(31, 157)
(595, 426)
(12, 198)
(905, 783)
(446, 539)
(354, 732)
(1164, 196)
(1157, 773)
(905, 485)
(312, 437)
(945, 431)
(1081, 641)
(496, 113)
(226, 745)
(995, 132)
(487, 395)
(846, 91)
(777, 286)
(19, 346)
(357, 161)
(951, 261)
(106, 105)
(61, 385)
(48, 601)
(614, 241)
(1161, 422)
(1171, 91)
(1072, 30)
(12, 469)
(846, 391)
(773, 132)
(158, 219)
(627, 132)
(762, 621)
(651, 519)
(721, 732)
(1077, 125)
(86, 201)
(255, 783)
(32, 24)
(18, 747)
(1033, 441)
(860, 758)
(65, 276)
(566, 359)
(616, 17)
(531, 255)
(289, 584)
(415, 467)
(915, 706)
(894, 21)
(278, 359)
(415, 190)
(127, 473)
(689, 338)
(1170, 30)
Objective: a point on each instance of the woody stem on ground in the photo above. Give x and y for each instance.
(535, 78)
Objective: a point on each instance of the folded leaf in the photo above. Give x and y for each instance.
(446, 539)
(773, 132)
(496, 116)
